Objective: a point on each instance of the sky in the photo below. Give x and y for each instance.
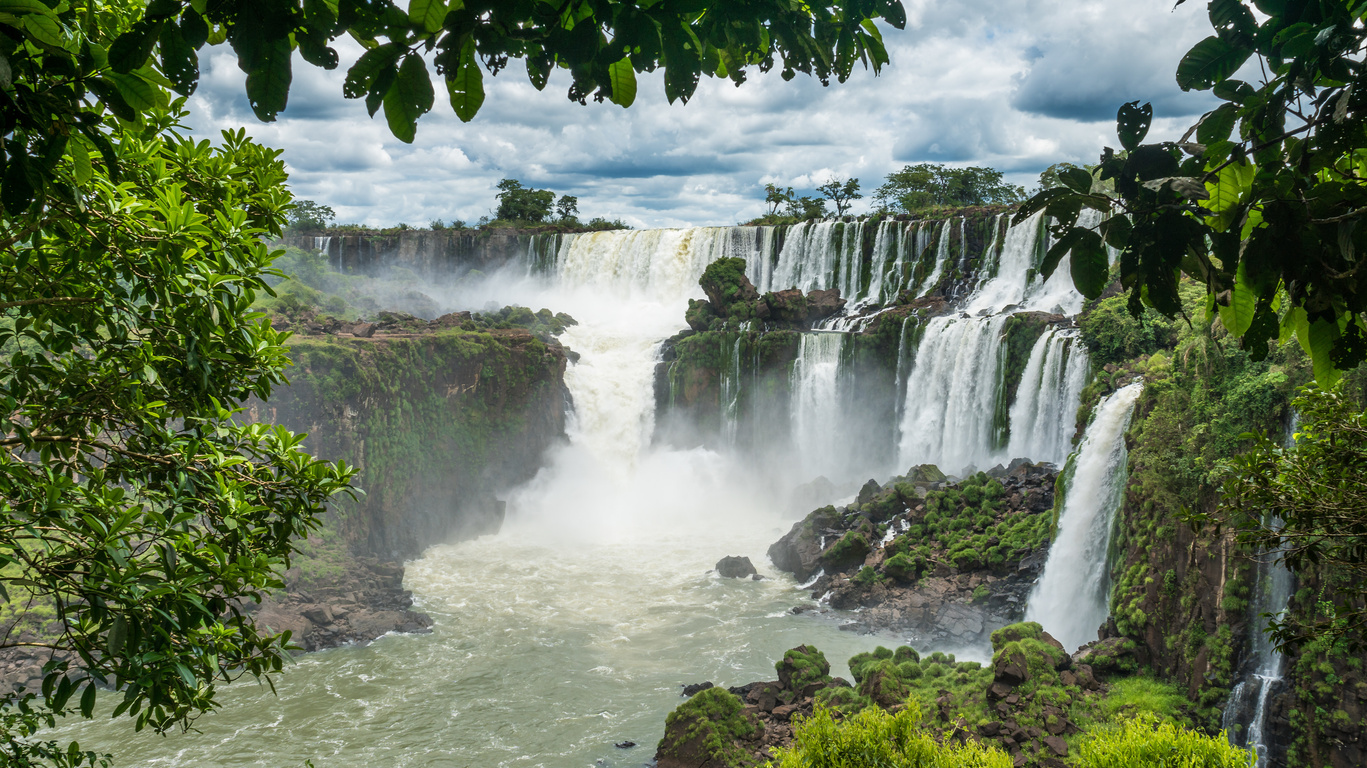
(1012, 84)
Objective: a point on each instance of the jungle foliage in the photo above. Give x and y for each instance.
(932, 185)
(1261, 202)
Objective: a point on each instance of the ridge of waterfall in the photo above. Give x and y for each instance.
(1072, 597)
(816, 403)
(1048, 397)
(951, 394)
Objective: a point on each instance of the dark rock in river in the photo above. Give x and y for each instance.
(734, 567)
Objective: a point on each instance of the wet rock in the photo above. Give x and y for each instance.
(734, 567)
(788, 306)
(823, 304)
(690, 690)
(870, 490)
(625, 744)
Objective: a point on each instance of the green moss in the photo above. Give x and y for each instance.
(717, 718)
(852, 548)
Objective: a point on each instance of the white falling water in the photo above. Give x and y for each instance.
(816, 402)
(952, 393)
(730, 393)
(1071, 599)
(1047, 399)
(807, 260)
(941, 257)
(1247, 706)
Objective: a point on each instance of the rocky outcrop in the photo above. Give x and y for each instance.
(439, 420)
(362, 603)
(926, 557)
(1022, 702)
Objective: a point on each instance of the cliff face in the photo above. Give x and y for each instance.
(430, 254)
(437, 424)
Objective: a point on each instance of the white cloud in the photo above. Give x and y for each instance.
(1016, 86)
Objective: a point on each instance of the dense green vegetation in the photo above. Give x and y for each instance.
(932, 186)
(876, 738)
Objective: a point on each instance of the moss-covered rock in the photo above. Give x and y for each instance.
(704, 732)
(727, 287)
(803, 670)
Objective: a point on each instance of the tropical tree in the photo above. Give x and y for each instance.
(777, 197)
(134, 507)
(842, 194)
(519, 203)
(308, 216)
(567, 207)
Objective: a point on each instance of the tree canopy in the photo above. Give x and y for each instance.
(1262, 201)
(932, 185)
(519, 203)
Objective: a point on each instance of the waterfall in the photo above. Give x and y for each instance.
(887, 254)
(1071, 599)
(322, 244)
(807, 259)
(1043, 416)
(816, 403)
(1245, 715)
(941, 256)
(730, 393)
(904, 361)
(951, 394)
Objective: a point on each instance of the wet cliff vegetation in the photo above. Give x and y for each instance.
(1184, 589)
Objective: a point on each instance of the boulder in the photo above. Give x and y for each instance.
(689, 690)
(1011, 669)
(725, 284)
(363, 330)
(788, 306)
(734, 567)
(870, 490)
(823, 304)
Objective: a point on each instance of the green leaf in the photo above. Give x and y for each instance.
(179, 62)
(1132, 122)
(131, 50)
(88, 700)
(1077, 179)
(1209, 62)
(1089, 264)
(1320, 338)
(1116, 231)
(268, 79)
(193, 29)
(118, 633)
(138, 93)
(622, 76)
(44, 29)
(1237, 316)
(466, 84)
(428, 14)
(80, 161)
(409, 98)
(1217, 124)
(371, 63)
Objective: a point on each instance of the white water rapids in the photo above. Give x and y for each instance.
(573, 627)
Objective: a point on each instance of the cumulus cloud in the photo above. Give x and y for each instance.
(1016, 86)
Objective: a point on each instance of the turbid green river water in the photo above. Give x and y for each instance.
(542, 653)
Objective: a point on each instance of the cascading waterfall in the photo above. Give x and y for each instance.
(1047, 400)
(816, 402)
(1072, 597)
(941, 257)
(951, 394)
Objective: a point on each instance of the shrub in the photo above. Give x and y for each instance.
(875, 738)
(1144, 740)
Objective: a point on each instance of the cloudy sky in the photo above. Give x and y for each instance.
(1012, 84)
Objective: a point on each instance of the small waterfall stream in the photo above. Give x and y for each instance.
(1072, 597)
(816, 406)
(1245, 715)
